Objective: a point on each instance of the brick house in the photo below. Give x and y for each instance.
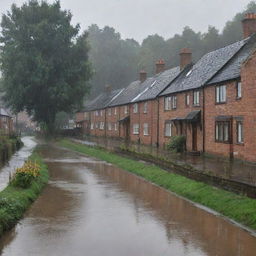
(6, 122)
(211, 102)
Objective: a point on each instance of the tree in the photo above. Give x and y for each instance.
(44, 61)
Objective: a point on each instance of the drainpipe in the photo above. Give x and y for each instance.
(105, 126)
(157, 142)
(231, 150)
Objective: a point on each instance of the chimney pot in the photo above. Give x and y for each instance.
(108, 88)
(160, 66)
(185, 57)
(249, 24)
(143, 76)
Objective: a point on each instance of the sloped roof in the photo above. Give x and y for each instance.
(3, 112)
(102, 101)
(128, 94)
(233, 68)
(156, 84)
(204, 69)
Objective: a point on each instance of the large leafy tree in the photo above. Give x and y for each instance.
(44, 61)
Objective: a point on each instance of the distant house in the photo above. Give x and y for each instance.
(6, 122)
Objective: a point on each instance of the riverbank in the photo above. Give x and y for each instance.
(236, 207)
(15, 201)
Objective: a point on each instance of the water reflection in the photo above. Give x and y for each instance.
(17, 160)
(93, 208)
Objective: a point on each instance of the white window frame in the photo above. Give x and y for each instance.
(196, 98)
(187, 99)
(240, 132)
(115, 126)
(135, 108)
(126, 109)
(109, 111)
(167, 103)
(110, 126)
(136, 129)
(174, 102)
(145, 108)
(168, 129)
(115, 111)
(102, 124)
(239, 90)
(145, 129)
(92, 126)
(221, 94)
(101, 113)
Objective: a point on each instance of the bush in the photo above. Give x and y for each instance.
(26, 174)
(177, 144)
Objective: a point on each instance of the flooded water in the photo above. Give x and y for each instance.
(17, 160)
(92, 208)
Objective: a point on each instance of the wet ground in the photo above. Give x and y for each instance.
(233, 170)
(92, 208)
(17, 160)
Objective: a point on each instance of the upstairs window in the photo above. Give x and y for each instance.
(135, 108)
(109, 111)
(92, 126)
(167, 103)
(187, 99)
(221, 94)
(222, 131)
(136, 128)
(240, 132)
(196, 98)
(101, 125)
(126, 109)
(145, 108)
(101, 113)
(115, 127)
(168, 129)
(239, 90)
(145, 129)
(115, 111)
(174, 102)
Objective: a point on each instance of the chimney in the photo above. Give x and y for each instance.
(108, 88)
(185, 57)
(143, 76)
(160, 66)
(249, 24)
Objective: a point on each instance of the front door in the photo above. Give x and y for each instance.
(194, 137)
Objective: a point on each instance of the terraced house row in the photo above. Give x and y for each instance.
(212, 102)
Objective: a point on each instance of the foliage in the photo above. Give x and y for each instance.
(25, 175)
(14, 201)
(117, 61)
(44, 61)
(177, 144)
(240, 208)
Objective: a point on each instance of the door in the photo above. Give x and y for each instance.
(194, 137)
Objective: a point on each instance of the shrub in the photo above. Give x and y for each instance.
(26, 174)
(177, 144)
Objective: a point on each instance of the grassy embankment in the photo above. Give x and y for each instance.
(15, 201)
(237, 207)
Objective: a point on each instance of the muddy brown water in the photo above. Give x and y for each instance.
(92, 208)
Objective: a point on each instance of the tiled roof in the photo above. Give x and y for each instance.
(204, 69)
(233, 67)
(3, 112)
(156, 84)
(102, 101)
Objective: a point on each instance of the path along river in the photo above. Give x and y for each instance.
(92, 208)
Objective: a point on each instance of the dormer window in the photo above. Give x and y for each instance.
(239, 90)
(221, 94)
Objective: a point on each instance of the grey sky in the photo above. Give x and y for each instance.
(140, 18)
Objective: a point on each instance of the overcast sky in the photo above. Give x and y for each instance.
(139, 18)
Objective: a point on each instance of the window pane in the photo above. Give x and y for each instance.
(226, 131)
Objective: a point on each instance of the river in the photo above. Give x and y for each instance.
(93, 208)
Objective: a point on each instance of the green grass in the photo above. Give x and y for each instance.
(237, 207)
(15, 201)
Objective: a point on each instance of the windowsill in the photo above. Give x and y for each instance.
(238, 98)
(135, 133)
(173, 109)
(167, 136)
(222, 142)
(240, 143)
(145, 134)
(145, 112)
(220, 103)
(166, 110)
(196, 106)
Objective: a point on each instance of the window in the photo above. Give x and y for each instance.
(96, 113)
(101, 125)
(174, 102)
(115, 111)
(101, 113)
(145, 129)
(145, 108)
(109, 126)
(240, 132)
(222, 131)
(220, 94)
(109, 111)
(168, 129)
(239, 90)
(187, 99)
(91, 126)
(196, 98)
(115, 126)
(96, 125)
(135, 108)
(167, 103)
(126, 109)
(136, 128)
